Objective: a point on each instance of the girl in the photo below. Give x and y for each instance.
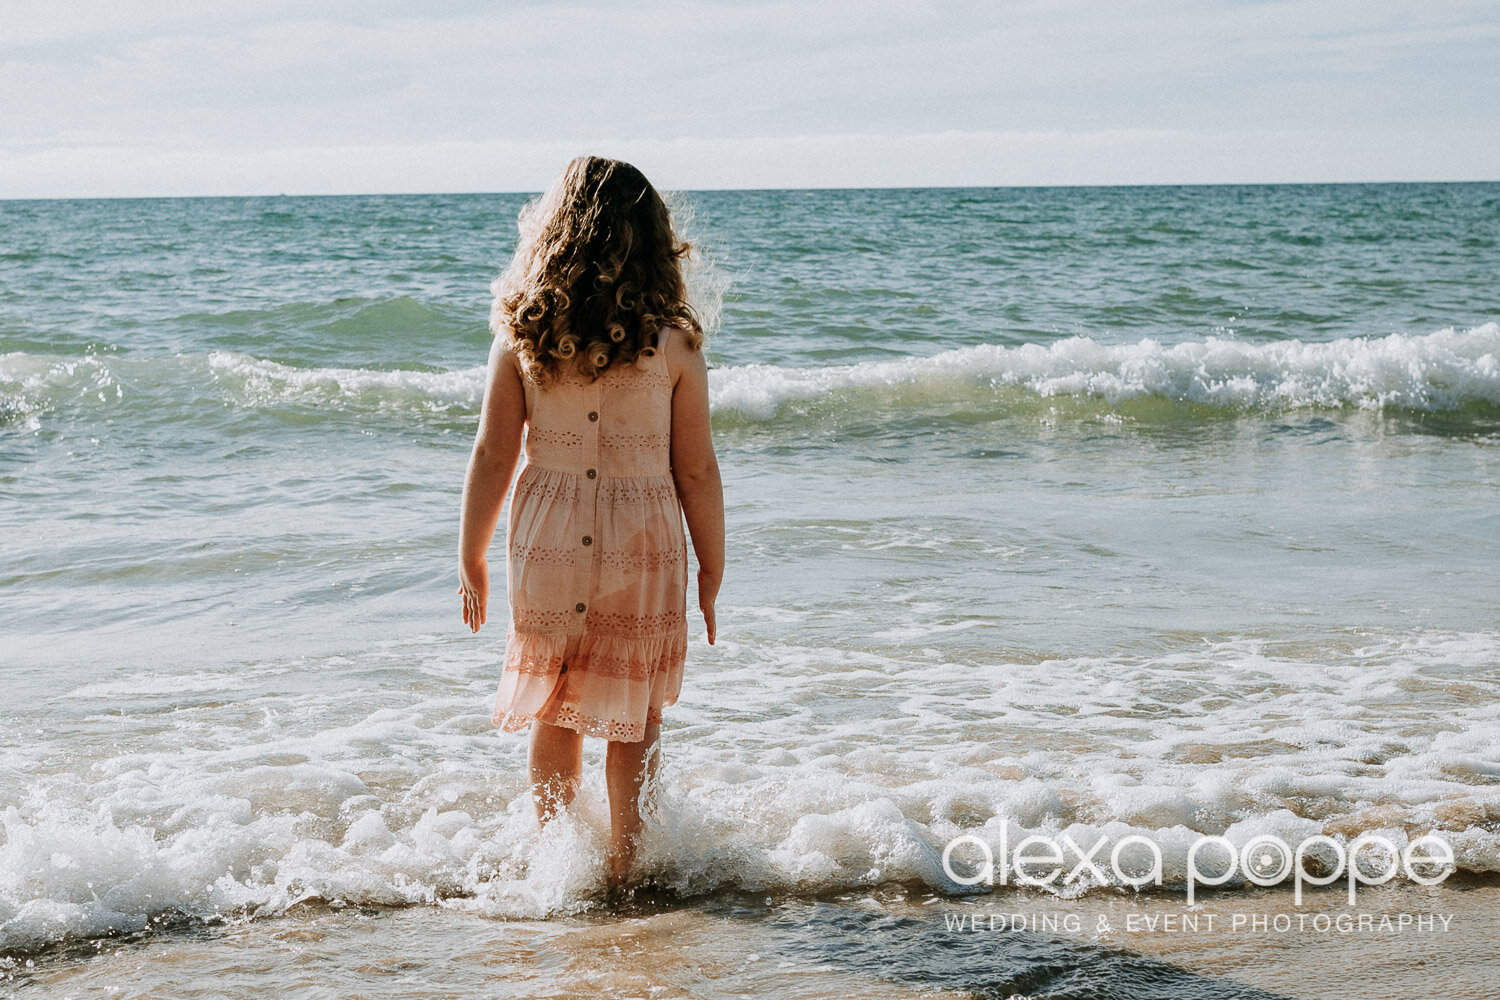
(598, 358)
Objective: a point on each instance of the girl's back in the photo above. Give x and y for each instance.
(596, 561)
(619, 424)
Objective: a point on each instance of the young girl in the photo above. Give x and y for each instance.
(598, 359)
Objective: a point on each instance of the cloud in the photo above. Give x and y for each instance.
(206, 91)
(1118, 156)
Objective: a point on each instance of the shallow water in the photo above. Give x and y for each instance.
(1099, 511)
(885, 943)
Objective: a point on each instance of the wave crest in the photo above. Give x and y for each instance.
(1446, 370)
(1439, 372)
(255, 383)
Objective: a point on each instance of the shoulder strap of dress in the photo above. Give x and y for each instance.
(662, 332)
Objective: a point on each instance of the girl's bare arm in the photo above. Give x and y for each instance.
(497, 447)
(696, 471)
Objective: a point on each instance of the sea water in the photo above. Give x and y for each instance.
(1107, 512)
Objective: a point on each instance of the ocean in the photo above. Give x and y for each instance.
(1100, 512)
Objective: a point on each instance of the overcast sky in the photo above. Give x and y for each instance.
(155, 97)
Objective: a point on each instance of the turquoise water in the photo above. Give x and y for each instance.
(1127, 509)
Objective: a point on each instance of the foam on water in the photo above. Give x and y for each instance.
(834, 770)
(253, 383)
(32, 387)
(32, 384)
(1446, 370)
(1440, 371)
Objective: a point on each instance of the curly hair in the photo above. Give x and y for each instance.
(596, 274)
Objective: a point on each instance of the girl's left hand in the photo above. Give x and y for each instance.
(474, 590)
(708, 592)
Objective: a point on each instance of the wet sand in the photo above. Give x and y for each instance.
(1437, 941)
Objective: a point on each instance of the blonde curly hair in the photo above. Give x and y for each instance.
(597, 272)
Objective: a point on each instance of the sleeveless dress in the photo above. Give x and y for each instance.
(596, 557)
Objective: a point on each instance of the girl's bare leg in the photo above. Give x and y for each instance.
(556, 760)
(627, 767)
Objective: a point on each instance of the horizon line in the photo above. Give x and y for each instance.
(733, 190)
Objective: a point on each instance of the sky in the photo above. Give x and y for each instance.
(243, 97)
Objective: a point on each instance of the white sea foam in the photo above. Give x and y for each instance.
(254, 382)
(248, 810)
(30, 384)
(1438, 371)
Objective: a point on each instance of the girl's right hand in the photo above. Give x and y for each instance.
(474, 590)
(708, 591)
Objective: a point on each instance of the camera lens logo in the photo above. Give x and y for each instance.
(1266, 860)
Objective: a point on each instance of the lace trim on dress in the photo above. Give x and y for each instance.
(543, 555)
(637, 626)
(641, 375)
(635, 442)
(611, 729)
(664, 559)
(542, 435)
(645, 627)
(541, 621)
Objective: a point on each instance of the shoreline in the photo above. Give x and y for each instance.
(887, 942)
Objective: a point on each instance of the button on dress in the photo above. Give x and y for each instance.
(596, 560)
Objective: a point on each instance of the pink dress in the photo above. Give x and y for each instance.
(596, 559)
